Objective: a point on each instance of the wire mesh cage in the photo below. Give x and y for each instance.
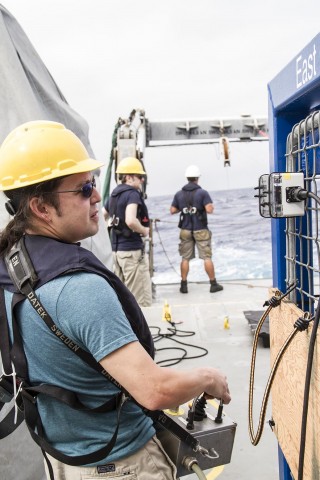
(302, 233)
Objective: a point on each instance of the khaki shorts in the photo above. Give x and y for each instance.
(149, 463)
(188, 241)
(132, 267)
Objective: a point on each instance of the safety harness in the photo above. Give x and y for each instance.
(14, 382)
(191, 210)
(116, 223)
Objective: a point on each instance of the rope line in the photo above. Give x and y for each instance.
(164, 250)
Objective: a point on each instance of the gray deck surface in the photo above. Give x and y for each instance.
(229, 349)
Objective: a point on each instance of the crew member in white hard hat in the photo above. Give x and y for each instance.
(129, 225)
(76, 305)
(194, 203)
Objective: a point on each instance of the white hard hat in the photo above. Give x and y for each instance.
(193, 172)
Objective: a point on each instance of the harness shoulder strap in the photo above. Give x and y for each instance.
(116, 224)
(20, 267)
(14, 417)
(189, 198)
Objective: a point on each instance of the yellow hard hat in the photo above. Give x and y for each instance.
(130, 165)
(41, 150)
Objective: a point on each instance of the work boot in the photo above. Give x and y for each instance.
(184, 286)
(214, 286)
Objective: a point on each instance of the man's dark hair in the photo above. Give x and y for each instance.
(123, 177)
(192, 179)
(19, 200)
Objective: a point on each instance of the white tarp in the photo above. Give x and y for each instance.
(28, 92)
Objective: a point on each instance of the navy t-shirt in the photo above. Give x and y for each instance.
(124, 195)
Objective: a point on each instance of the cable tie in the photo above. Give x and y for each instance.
(272, 302)
(302, 323)
(276, 300)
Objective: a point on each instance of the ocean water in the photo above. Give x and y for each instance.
(241, 239)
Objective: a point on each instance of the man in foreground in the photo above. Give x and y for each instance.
(46, 174)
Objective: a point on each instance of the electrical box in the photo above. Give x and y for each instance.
(275, 195)
(217, 438)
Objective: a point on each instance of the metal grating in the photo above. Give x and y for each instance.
(302, 233)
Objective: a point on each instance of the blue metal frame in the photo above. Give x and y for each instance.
(293, 94)
(284, 470)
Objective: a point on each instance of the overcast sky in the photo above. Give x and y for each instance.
(175, 59)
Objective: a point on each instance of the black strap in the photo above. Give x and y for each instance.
(4, 337)
(188, 196)
(35, 428)
(7, 425)
(68, 398)
(120, 227)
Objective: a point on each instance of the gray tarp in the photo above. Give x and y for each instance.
(28, 92)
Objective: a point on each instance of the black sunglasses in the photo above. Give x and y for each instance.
(86, 189)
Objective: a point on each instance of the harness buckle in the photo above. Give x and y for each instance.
(189, 210)
(28, 396)
(113, 221)
(19, 266)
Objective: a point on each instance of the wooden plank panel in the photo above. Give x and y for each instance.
(288, 390)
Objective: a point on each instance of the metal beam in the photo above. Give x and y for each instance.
(244, 128)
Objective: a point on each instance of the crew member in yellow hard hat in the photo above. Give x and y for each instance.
(77, 334)
(129, 225)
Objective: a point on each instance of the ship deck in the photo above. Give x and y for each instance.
(229, 349)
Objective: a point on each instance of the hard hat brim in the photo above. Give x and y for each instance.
(64, 168)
